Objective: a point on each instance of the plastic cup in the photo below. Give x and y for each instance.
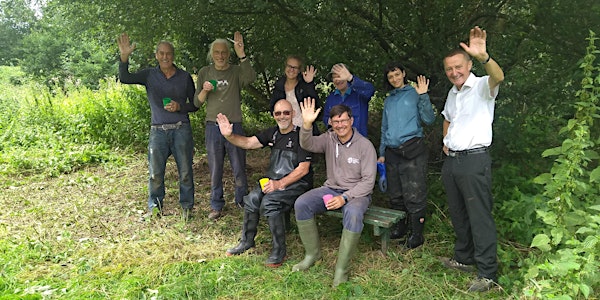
(214, 84)
(326, 198)
(166, 101)
(263, 182)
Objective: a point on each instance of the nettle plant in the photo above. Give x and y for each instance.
(567, 264)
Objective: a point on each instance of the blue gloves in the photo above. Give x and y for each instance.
(382, 177)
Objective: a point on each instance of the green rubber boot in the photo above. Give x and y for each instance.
(348, 244)
(309, 234)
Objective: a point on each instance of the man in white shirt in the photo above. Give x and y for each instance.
(466, 173)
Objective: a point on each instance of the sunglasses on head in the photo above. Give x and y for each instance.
(285, 113)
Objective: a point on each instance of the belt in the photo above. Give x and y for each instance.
(480, 150)
(167, 126)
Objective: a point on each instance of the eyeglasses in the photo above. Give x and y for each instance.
(285, 113)
(292, 67)
(337, 122)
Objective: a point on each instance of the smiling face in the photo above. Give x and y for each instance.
(164, 55)
(283, 114)
(457, 68)
(396, 78)
(220, 56)
(292, 68)
(342, 126)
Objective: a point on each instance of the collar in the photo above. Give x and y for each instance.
(348, 92)
(406, 87)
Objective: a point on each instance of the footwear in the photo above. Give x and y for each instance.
(400, 229)
(154, 213)
(309, 234)
(453, 264)
(214, 214)
(186, 214)
(481, 284)
(279, 252)
(416, 238)
(249, 228)
(348, 245)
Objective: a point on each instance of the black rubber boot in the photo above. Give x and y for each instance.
(279, 252)
(248, 234)
(400, 229)
(416, 238)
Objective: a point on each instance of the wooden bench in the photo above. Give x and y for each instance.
(382, 220)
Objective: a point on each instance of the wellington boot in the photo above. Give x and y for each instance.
(309, 234)
(279, 253)
(348, 245)
(400, 229)
(416, 238)
(249, 228)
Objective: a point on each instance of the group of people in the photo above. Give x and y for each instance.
(351, 159)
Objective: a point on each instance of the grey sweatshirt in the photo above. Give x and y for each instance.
(351, 166)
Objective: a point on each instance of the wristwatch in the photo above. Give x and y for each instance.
(345, 198)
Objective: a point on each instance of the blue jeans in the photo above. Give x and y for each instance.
(162, 144)
(216, 146)
(311, 203)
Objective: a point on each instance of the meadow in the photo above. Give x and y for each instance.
(73, 176)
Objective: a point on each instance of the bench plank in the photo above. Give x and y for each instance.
(382, 220)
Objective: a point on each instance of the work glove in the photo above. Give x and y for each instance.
(382, 177)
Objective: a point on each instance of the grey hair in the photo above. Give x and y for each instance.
(212, 45)
(165, 43)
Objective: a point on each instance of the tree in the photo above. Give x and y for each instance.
(16, 20)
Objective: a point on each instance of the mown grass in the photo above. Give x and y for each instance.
(71, 228)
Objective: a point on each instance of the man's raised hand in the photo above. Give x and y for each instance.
(309, 114)
(225, 127)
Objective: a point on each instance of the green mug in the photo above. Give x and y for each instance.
(214, 84)
(166, 101)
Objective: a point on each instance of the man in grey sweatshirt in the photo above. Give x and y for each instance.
(351, 162)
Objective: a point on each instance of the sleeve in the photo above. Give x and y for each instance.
(426, 109)
(189, 106)
(310, 90)
(278, 93)
(247, 73)
(132, 78)
(201, 78)
(365, 89)
(304, 155)
(315, 144)
(265, 136)
(326, 109)
(384, 128)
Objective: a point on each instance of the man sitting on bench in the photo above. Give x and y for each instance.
(351, 163)
(289, 176)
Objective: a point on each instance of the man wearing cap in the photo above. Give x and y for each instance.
(352, 92)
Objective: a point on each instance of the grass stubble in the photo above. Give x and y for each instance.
(81, 235)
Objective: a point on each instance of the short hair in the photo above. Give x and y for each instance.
(390, 67)
(169, 44)
(340, 109)
(458, 51)
(212, 46)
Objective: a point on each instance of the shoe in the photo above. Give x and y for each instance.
(481, 284)
(186, 214)
(453, 264)
(214, 214)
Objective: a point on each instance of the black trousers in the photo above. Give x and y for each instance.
(407, 182)
(468, 181)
